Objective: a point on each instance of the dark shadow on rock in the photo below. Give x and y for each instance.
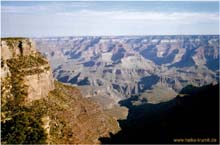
(84, 82)
(147, 82)
(151, 53)
(74, 79)
(192, 116)
(89, 64)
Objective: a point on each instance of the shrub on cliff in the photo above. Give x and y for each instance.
(20, 125)
(23, 129)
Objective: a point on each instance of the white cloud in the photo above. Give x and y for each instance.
(166, 16)
(52, 7)
(186, 17)
(22, 9)
(55, 21)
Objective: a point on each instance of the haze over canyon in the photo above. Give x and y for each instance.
(109, 69)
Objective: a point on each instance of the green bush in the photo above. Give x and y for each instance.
(27, 61)
(23, 129)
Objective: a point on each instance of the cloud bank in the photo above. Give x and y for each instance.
(83, 18)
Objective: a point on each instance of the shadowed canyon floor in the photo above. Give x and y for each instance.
(193, 116)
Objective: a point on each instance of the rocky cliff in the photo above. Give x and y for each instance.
(25, 77)
(15, 47)
(21, 60)
(37, 109)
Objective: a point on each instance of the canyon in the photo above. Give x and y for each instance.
(106, 89)
(37, 109)
(108, 69)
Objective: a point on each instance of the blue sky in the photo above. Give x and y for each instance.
(81, 18)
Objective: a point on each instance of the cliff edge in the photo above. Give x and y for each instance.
(35, 109)
(20, 60)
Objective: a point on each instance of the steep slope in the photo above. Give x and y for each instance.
(192, 117)
(74, 119)
(25, 77)
(35, 109)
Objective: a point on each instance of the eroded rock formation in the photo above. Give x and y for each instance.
(46, 111)
(20, 57)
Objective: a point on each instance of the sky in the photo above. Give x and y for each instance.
(104, 18)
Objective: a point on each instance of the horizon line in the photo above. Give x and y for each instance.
(111, 0)
(110, 35)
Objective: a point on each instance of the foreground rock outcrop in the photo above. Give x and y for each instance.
(21, 60)
(36, 109)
